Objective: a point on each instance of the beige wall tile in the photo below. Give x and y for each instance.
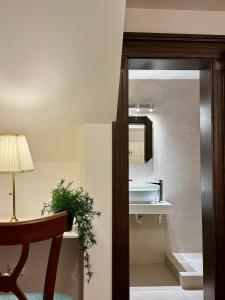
(177, 161)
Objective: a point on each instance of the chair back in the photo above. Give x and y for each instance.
(25, 233)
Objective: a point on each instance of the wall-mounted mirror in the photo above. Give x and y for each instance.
(140, 140)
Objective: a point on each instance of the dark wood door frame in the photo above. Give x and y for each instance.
(189, 47)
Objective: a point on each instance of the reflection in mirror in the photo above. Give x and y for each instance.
(140, 139)
(136, 143)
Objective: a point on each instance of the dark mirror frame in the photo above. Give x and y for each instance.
(148, 134)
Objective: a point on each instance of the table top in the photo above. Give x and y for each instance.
(70, 234)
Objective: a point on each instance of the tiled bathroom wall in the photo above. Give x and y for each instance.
(176, 122)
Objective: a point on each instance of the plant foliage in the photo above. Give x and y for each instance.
(80, 205)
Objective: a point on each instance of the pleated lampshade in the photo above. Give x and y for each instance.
(15, 154)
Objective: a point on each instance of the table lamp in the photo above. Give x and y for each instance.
(15, 158)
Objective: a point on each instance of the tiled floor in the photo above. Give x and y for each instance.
(164, 293)
(142, 275)
(156, 282)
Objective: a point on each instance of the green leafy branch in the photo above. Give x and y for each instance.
(80, 205)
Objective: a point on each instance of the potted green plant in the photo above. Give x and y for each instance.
(81, 212)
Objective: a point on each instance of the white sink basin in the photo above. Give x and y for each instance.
(144, 193)
(143, 187)
(157, 208)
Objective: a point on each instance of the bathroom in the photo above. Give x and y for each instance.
(165, 183)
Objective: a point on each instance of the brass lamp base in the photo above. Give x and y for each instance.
(14, 219)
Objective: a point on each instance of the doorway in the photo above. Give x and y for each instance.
(165, 212)
(175, 52)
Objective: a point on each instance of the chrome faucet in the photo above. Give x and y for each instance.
(160, 184)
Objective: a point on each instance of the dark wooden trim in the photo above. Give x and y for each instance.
(147, 135)
(190, 47)
(219, 175)
(152, 45)
(146, 36)
(208, 228)
(168, 64)
(120, 192)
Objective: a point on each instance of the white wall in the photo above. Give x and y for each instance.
(34, 188)
(174, 21)
(94, 169)
(60, 63)
(60, 59)
(98, 181)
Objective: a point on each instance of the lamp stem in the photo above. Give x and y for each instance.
(14, 218)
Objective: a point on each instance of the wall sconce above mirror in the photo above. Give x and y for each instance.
(142, 108)
(140, 139)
